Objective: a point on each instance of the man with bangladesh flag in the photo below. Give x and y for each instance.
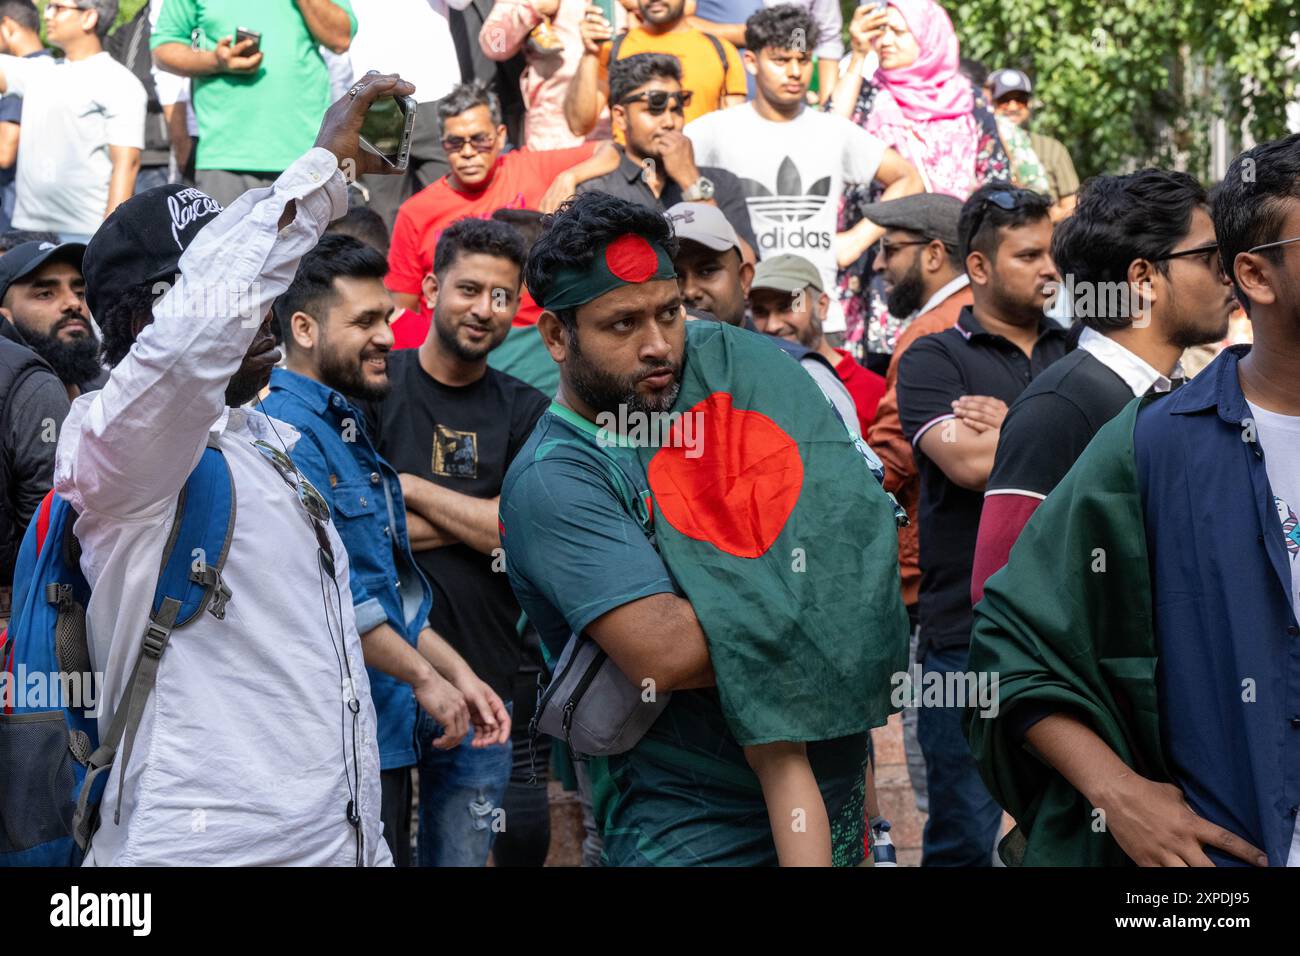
(1144, 632)
(738, 552)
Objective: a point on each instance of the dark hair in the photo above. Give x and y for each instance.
(634, 71)
(364, 224)
(974, 71)
(977, 228)
(107, 10)
(14, 238)
(526, 222)
(116, 321)
(312, 289)
(463, 98)
(1249, 205)
(572, 234)
(489, 237)
(775, 28)
(21, 12)
(1141, 215)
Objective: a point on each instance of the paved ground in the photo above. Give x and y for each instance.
(894, 791)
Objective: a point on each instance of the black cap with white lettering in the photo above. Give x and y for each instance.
(143, 240)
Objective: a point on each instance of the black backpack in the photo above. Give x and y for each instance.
(129, 45)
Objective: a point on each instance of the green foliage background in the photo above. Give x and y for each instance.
(1124, 83)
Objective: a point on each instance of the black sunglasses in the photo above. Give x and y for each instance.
(482, 143)
(1007, 200)
(656, 101)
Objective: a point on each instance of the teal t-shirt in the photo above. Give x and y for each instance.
(262, 121)
(578, 543)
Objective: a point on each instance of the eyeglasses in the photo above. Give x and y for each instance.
(656, 101)
(1005, 199)
(1271, 245)
(482, 143)
(52, 9)
(1211, 252)
(886, 249)
(312, 500)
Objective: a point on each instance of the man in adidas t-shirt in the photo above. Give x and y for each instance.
(794, 161)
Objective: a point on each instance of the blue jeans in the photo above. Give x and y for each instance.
(460, 797)
(962, 828)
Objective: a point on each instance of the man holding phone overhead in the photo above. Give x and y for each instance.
(260, 83)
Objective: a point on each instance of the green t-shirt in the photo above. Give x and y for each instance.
(578, 543)
(263, 121)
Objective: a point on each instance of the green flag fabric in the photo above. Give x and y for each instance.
(1067, 625)
(523, 355)
(772, 524)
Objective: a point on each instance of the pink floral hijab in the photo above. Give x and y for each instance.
(931, 88)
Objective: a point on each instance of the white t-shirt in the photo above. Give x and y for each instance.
(793, 174)
(408, 37)
(72, 113)
(1279, 436)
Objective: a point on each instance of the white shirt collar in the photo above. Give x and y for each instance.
(936, 300)
(1136, 373)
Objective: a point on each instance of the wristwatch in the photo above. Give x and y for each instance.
(700, 191)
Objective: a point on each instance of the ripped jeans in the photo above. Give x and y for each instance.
(460, 798)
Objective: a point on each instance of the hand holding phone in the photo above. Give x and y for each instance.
(596, 27)
(386, 129)
(243, 34)
(231, 59)
(340, 131)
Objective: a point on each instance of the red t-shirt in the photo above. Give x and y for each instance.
(519, 181)
(865, 386)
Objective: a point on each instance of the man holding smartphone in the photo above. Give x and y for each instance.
(260, 83)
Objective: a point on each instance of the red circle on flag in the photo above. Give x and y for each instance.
(631, 258)
(737, 482)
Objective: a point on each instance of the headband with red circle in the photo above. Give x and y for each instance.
(628, 259)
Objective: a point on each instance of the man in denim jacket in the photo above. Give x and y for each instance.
(334, 322)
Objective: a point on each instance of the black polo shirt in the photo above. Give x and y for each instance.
(626, 182)
(933, 372)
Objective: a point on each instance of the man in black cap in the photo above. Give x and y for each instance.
(43, 299)
(1009, 92)
(254, 756)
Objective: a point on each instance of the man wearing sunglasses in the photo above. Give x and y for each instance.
(483, 179)
(1150, 691)
(263, 721)
(656, 163)
(953, 389)
(1141, 265)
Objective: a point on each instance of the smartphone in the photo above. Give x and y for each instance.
(386, 130)
(606, 8)
(243, 33)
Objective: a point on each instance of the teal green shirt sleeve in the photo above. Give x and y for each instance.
(176, 23)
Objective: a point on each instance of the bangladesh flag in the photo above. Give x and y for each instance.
(524, 356)
(1061, 636)
(769, 518)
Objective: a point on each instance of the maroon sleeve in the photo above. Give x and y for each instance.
(1002, 519)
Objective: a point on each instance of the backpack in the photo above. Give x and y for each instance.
(52, 762)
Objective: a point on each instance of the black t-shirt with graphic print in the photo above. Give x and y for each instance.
(463, 439)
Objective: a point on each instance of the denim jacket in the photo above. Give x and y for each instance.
(364, 493)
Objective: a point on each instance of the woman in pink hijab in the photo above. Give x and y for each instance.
(918, 102)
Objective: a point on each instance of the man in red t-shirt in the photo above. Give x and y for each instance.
(787, 300)
(482, 180)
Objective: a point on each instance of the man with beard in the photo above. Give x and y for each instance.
(1142, 268)
(594, 547)
(953, 391)
(450, 426)
(333, 321)
(788, 302)
(43, 299)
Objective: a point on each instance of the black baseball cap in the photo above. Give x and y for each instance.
(143, 240)
(21, 261)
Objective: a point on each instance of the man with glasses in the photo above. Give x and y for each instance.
(953, 390)
(483, 179)
(83, 124)
(1149, 685)
(1139, 260)
(259, 745)
(656, 163)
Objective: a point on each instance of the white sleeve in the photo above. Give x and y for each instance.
(127, 449)
(124, 118)
(830, 24)
(861, 152)
(19, 71)
(702, 134)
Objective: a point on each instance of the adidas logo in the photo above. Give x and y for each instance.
(788, 202)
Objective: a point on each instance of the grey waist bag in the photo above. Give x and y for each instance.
(592, 706)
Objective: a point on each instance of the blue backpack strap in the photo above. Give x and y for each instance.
(189, 582)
